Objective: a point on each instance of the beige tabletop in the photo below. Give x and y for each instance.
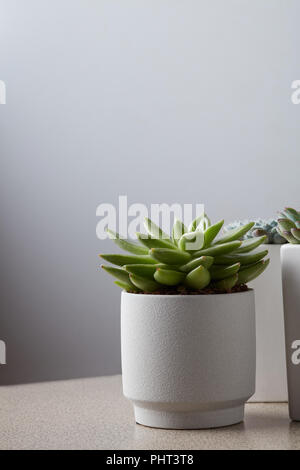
(93, 414)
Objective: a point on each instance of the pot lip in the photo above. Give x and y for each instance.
(181, 296)
(279, 245)
(290, 245)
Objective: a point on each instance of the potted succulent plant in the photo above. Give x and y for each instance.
(271, 383)
(289, 227)
(188, 323)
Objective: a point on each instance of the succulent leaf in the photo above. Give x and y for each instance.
(204, 223)
(155, 231)
(199, 278)
(142, 270)
(217, 250)
(211, 233)
(243, 258)
(292, 214)
(169, 256)
(259, 232)
(278, 239)
(178, 230)
(118, 273)
(235, 234)
(121, 260)
(222, 272)
(296, 233)
(289, 237)
(286, 224)
(251, 272)
(169, 277)
(144, 284)
(126, 245)
(151, 242)
(279, 231)
(194, 224)
(250, 244)
(128, 287)
(205, 261)
(228, 283)
(191, 241)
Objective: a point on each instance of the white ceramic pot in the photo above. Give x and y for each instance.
(271, 383)
(188, 361)
(290, 257)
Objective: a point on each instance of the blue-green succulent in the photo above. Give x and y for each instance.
(289, 225)
(261, 227)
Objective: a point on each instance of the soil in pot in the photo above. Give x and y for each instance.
(181, 290)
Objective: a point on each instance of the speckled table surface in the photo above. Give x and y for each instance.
(93, 414)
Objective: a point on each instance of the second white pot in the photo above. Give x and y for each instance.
(290, 256)
(188, 361)
(271, 385)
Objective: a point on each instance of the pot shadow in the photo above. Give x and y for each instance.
(294, 435)
(146, 437)
(258, 430)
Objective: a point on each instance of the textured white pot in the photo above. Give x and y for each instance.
(270, 348)
(290, 257)
(188, 361)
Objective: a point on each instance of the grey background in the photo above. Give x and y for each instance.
(161, 100)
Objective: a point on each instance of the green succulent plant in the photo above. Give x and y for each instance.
(289, 225)
(261, 227)
(193, 258)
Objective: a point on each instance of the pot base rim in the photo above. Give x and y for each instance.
(189, 420)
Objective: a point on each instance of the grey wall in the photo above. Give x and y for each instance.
(163, 100)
